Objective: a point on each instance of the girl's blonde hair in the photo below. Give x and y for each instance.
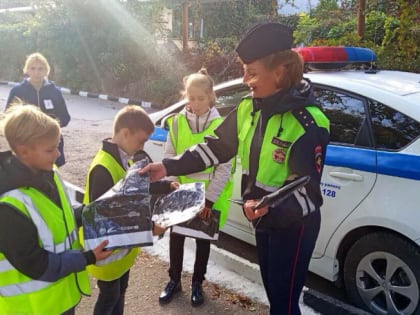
(36, 57)
(27, 124)
(202, 80)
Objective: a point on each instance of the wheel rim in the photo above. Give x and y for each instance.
(386, 284)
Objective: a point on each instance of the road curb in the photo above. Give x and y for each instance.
(327, 305)
(121, 100)
(236, 264)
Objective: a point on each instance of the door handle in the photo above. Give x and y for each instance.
(353, 177)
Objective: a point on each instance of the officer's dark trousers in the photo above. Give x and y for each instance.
(176, 256)
(111, 296)
(284, 256)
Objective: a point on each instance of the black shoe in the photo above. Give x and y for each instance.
(168, 293)
(196, 294)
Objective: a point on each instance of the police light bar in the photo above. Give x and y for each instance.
(324, 57)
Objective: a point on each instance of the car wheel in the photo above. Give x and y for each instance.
(382, 274)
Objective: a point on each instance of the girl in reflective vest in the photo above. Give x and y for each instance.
(198, 119)
(42, 266)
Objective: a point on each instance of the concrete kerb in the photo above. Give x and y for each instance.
(121, 100)
(327, 305)
(236, 264)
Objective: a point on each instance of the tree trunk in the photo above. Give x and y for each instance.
(274, 8)
(361, 18)
(185, 26)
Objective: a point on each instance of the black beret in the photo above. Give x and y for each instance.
(264, 39)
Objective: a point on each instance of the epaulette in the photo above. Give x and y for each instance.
(304, 117)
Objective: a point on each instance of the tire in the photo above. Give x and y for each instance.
(382, 291)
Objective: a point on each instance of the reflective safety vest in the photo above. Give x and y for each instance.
(121, 260)
(273, 166)
(57, 232)
(182, 138)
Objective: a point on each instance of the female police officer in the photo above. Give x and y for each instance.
(279, 134)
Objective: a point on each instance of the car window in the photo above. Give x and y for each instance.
(392, 130)
(228, 99)
(348, 124)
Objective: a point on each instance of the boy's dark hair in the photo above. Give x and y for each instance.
(134, 118)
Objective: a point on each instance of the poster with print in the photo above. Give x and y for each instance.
(122, 215)
(207, 229)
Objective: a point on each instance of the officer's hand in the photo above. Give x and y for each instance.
(251, 213)
(157, 229)
(100, 252)
(205, 213)
(156, 171)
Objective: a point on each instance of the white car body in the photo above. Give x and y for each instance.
(367, 189)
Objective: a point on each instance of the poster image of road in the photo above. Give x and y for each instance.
(179, 206)
(122, 215)
(200, 228)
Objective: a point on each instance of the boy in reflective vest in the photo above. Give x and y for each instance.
(132, 128)
(42, 266)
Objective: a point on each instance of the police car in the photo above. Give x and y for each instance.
(370, 231)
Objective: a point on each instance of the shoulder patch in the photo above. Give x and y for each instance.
(304, 117)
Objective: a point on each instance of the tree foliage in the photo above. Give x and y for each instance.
(392, 30)
(121, 47)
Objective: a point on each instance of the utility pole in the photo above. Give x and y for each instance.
(184, 30)
(361, 18)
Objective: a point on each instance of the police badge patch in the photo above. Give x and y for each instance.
(279, 155)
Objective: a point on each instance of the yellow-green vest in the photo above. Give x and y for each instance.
(121, 260)
(182, 139)
(57, 232)
(273, 168)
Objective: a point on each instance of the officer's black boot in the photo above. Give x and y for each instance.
(196, 294)
(170, 290)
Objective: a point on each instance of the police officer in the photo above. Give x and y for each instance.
(279, 134)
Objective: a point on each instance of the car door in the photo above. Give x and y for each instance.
(350, 164)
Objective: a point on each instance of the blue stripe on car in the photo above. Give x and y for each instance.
(388, 163)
